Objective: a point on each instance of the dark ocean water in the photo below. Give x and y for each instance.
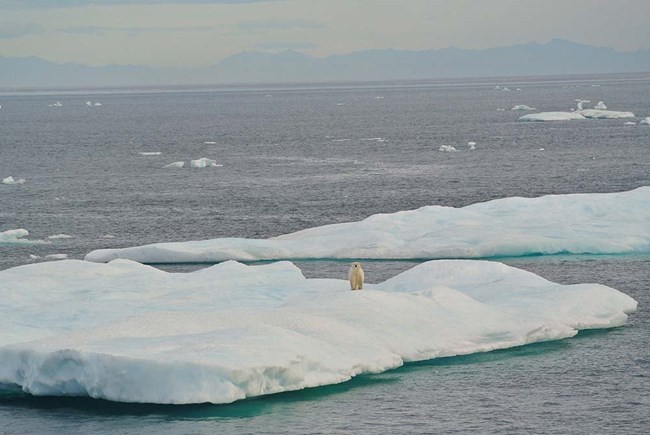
(286, 166)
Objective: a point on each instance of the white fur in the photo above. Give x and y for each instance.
(355, 275)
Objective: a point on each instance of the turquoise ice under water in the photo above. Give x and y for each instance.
(281, 173)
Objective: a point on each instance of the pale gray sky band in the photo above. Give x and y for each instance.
(203, 32)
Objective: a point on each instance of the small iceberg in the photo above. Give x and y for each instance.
(174, 165)
(209, 143)
(645, 121)
(16, 237)
(600, 106)
(57, 104)
(579, 103)
(604, 114)
(472, 145)
(10, 180)
(447, 148)
(59, 236)
(522, 107)
(150, 153)
(127, 332)
(203, 163)
(551, 116)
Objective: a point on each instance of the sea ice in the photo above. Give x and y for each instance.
(551, 116)
(203, 162)
(522, 107)
(630, 123)
(128, 332)
(16, 237)
(59, 236)
(56, 256)
(595, 223)
(604, 114)
(447, 148)
(600, 106)
(150, 153)
(10, 180)
(472, 145)
(579, 103)
(210, 143)
(645, 121)
(175, 165)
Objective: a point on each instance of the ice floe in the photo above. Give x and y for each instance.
(471, 145)
(522, 107)
(596, 223)
(17, 237)
(645, 121)
(56, 256)
(57, 104)
(131, 333)
(600, 106)
(630, 123)
(175, 165)
(150, 153)
(209, 143)
(60, 236)
(10, 180)
(203, 163)
(604, 114)
(447, 148)
(551, 116)
(580, 103)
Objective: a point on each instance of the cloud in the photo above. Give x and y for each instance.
(285, 45)
(256, 26)
(33, 4)
(15, 29)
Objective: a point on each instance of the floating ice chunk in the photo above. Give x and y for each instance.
(604, 114)
(600, 106)
(150, 153)
(131, 333)
(210, 143)
(10, 180)
(522, 107)
(518, 89)
(59, 236)
(630, 123)
(580, 102)
(373, 139)
(341, 140)
(34, 257)
(16, 237)
(505, 88)
(645, 121)
(379, 97)
(175, 165)
(551, 116)
(98, 104)
(340, 104)
(56, 256)
(541, 149)
(89, 103)
(107, 236)
(203, 162)
(501, 110)
(447, 148)
(472, 145)
(609, 223)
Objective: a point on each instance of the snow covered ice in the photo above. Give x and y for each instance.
(604, 114)
(127, 332)
(17, 237)
(175, 165)
(551, 116)
(522, 107)
(596, 223)
(11, 180)
(203, 163)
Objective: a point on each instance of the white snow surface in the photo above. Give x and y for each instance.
(596, 223)
(551, 116)
(128, 332)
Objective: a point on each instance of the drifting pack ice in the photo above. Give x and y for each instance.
(128, 332)
(596, 223)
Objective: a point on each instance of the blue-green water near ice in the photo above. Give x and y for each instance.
(287, 167)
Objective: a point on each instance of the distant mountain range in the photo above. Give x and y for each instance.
(556, 57)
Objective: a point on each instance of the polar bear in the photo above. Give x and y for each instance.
(355, 275)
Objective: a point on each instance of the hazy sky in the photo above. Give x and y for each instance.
(202, 32)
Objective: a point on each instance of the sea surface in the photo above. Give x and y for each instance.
(300, 156)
